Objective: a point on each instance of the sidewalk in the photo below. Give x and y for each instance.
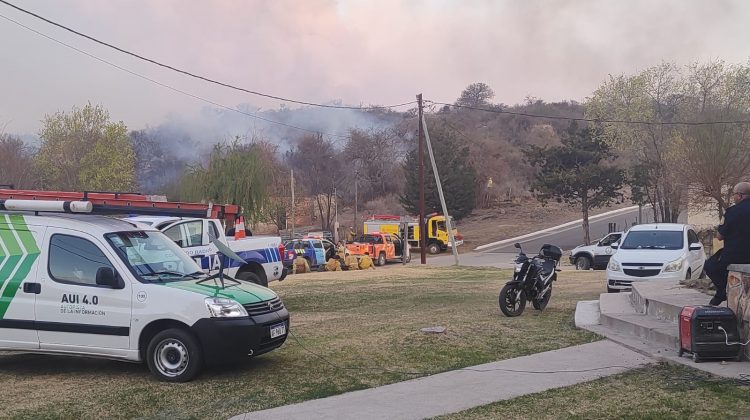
(458, 390)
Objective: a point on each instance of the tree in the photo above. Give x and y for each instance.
(476, 95)
(457, 175)
(375, 156)
(656, 96)
(156, 161)
(16, 162)
(579, 172)
(315, 160)
(717, 155)
(84, 150)
(236, 173)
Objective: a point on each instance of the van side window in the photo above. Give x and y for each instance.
(75, 260)
(213, 231)
(609, 240)
(186, 234)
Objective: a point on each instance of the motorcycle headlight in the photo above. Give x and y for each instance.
(224, 308)
(613, 265)
(673, 266)
(518, 267)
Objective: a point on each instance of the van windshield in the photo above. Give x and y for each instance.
(653, 239)
(151, 256)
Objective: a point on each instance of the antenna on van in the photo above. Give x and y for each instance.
(224, 251)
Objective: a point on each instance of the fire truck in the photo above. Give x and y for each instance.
(437, 233)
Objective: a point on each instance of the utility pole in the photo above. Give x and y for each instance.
(292, 236)
(448, 222)
(356, 200)
(422, 227)
(336, 217)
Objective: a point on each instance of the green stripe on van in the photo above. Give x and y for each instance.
(22, 253)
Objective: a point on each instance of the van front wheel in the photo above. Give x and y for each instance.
(174, 355)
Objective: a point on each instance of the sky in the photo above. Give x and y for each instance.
(352, 51)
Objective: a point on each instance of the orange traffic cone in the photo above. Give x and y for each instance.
(239, 228)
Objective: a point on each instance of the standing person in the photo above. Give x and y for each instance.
(350, 235)
(334, 264)
(341, 249)
(351, 263)
(365, 262)
(735, 232)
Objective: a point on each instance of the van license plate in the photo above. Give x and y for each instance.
(278, 330)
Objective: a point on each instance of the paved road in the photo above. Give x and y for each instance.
(566, 237)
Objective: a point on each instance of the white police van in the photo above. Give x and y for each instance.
(97, 286)
(262, 255)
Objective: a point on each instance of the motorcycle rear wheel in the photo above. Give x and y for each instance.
(542, 303)
(509, 305)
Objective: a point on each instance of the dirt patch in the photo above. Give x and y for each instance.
(514, 219)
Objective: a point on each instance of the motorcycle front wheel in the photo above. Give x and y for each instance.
(542, 303)
(510, 302)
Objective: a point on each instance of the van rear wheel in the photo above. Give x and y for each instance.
(174, 355)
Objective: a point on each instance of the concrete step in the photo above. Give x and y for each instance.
(664, 300)
(616, 312)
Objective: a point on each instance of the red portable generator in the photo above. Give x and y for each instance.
(705, 331)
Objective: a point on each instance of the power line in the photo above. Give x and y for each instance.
(197, 76)
(592, 120)
(168, 86)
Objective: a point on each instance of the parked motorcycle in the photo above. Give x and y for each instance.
(532, 280)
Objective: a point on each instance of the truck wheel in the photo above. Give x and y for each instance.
(252, 278)
(433, 248)
(583, 263)
(381, 259)
(174, 355)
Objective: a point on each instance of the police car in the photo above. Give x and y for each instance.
(97, 286)
(263, 255)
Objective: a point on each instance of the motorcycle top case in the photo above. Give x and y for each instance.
(700, 333)
(551, 251)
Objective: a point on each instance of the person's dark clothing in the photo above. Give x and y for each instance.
(716, 270)
(736, 233)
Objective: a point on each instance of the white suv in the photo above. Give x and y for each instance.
(662, 251)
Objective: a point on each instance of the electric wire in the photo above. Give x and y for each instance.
(591, 120)
(197, 76)
(164, 85)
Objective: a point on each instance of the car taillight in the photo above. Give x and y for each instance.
(282, 252)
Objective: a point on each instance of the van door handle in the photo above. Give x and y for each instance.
(34, 288)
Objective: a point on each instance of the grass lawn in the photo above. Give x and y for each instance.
(365, 323)
(655, 392)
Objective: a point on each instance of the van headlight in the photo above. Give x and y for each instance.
(673, 266)
(613, 265)
(224, 308)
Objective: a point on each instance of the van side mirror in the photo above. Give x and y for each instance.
(615, 245)
(695, 246)
(105, 276)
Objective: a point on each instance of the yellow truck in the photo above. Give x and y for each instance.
(437, 233)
